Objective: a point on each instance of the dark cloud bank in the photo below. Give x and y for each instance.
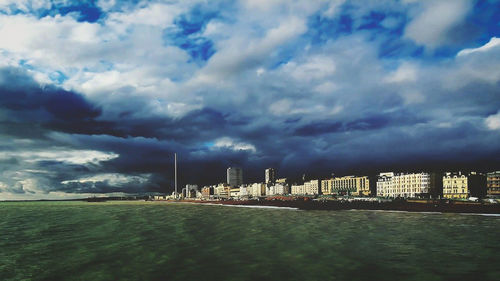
(35, 117)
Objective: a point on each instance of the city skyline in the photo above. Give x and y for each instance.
(97, 96)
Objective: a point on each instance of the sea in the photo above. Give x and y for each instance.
(180, 241)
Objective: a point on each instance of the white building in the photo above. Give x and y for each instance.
(403, 185)
(243, 191)
(277, 189)
(312, 187)
(191, 191)
(298, 189)
(256, 189)
(234, 176)
(221, 190)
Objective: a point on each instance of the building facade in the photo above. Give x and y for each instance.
(355, 185)
(234, 176)
(493, 184)
(407, 185)
(312, 187)
(222, 190)
(191, 191)
(298, 189)
(458, 185)
(277, 189)
(207, 191)
(270, 176)
(256, 189)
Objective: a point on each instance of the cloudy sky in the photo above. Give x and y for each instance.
(96, 96)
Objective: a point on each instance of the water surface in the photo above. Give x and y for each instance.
(173, 241)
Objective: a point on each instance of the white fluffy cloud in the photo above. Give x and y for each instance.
(493, 121)
(60, 155)
(226, 142)
(432, 25)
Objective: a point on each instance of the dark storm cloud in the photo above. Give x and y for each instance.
(305, 87)
(30, 105)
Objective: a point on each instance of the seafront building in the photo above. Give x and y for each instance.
(207, 192)
(234, 192)
(312, 187)
(355, 185)
(191, 191)
(234, 176)
(493, 184)
(222, 190)
(406, 185)
(458, 185)
(270, 176)
(298, 189)
(257, 189)
(277, 189)
(243, 191)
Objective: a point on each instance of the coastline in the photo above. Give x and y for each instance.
(431, 206)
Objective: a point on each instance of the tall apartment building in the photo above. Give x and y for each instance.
(234, 176)
(407, 185)
(270, 175)
(458, 185)
(493, 183)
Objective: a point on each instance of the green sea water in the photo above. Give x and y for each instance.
(175, 241)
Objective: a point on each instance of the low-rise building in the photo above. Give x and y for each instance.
(458, 185)
(493, 184)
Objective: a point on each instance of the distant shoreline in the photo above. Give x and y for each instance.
(420, 205)
(432, 206)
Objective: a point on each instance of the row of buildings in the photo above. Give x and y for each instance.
(450, 185)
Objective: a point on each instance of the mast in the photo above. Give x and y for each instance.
(175, 164)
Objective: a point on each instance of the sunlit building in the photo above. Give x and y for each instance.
(407, 185)
(207, 191)
(222, 190)
(355, 185)
(270, 175)
(458, 185)
(277, 189)
(256, 189)
(493, 184)
(312, 187)
(298, 189)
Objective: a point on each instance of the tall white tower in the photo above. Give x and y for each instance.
(175, 165)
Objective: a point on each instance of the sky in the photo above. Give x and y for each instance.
(96, 96)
